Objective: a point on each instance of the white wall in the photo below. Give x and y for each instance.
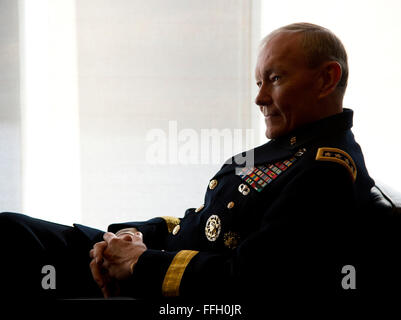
(371, 33)
(10, 123)
(141, 65)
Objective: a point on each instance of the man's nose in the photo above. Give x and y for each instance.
(264, 96)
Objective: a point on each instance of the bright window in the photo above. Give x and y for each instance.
(50, 126)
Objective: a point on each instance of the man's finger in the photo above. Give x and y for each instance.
(96, 274)
(105, 292)
(108, 236)
(97, 251)
(130, 236)
(129, 230)
(127, 236)
(100, 278)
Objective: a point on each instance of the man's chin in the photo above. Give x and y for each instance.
(272, 134)
(275, 127)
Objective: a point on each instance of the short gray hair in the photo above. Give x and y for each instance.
(320, 45)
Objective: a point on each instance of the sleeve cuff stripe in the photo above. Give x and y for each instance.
(172, 279)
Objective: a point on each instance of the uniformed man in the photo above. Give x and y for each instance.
(284, 226)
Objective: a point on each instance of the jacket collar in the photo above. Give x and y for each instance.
(328, 126)
(288, 145)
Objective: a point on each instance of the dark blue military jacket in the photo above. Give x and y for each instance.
(286, 224)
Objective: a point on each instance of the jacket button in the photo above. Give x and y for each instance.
(176, 229)
(230, 205)
(213, 184)
(200, 208)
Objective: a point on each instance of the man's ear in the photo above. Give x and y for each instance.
(330, 75)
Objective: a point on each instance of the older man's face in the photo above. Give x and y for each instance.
(288, 89)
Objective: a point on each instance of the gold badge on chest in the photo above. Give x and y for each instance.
(213, 228)
(231, 239)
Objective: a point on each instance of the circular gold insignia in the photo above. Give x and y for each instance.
(244, 189)
(213, 228)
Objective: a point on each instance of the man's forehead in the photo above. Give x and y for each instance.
(279, 49)
(281, 43)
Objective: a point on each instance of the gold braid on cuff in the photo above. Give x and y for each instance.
(173, 277)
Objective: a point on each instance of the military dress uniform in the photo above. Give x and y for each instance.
(284, 225)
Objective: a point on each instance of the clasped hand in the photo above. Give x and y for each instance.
(114, 259)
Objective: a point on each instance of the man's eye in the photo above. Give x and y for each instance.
(275, 78)
(259, 84)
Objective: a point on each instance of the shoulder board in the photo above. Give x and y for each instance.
(338, 156)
